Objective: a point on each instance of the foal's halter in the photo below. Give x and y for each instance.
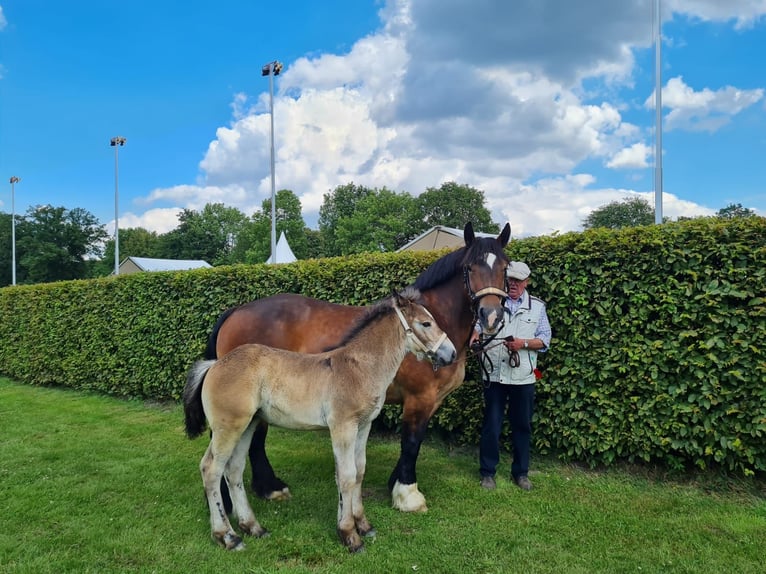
(430, 353)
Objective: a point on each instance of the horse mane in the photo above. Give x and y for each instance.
(445, 268)
(376, 312)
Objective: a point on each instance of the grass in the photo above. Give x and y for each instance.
(95, 484)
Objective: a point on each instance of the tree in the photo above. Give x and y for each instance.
(454, 205)
(734, 210)
(338, 204)
(134, 242)
(209, 235)
(382, 221)
(629, 212)
(6, 256)
(55, 244)
(254, 243)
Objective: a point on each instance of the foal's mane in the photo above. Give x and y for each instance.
(376, 312)
(445, 268)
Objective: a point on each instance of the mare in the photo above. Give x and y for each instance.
(460, 288)
(342, 390)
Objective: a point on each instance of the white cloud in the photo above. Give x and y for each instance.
(436, 95)
(745, 13)
(160, 220)
(705, 110)
(632, 157)
(3, 21)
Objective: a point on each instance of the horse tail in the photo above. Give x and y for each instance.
(194, 414)
(212, 339)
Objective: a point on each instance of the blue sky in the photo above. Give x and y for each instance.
(545, 105)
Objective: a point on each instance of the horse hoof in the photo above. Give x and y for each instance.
(371, 533)
(279, 495)
(407, 498)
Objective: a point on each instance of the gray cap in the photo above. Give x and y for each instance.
(517, 270)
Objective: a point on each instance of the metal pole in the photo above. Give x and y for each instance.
(273, 184)
(658, 119)
(116, 213)
(14, 181)
(116, 142)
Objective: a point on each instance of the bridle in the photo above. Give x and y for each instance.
(479, 348)
(476, 296)
(428, 352)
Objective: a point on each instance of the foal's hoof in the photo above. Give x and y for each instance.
(230, 541)
(254, 530)
(352, 541)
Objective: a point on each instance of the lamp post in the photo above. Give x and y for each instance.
(272, 69)
(14, 181)
(116, 143)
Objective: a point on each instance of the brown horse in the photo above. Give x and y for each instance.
(342, 390)
(461, 288)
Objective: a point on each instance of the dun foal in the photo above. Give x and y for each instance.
(342, 390)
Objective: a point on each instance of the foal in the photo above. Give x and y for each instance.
(343, 390)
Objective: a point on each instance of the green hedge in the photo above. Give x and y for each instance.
(657, 350)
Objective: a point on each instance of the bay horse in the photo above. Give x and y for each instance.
(342, 390)
(461, 288)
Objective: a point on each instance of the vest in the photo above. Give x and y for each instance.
(522, 325)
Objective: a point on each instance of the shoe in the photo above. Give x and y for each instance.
(523, 483)
(488, 482)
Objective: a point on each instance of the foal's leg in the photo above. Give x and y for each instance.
(363, 525)
(212, 467)
(343, 441)
(234, 472)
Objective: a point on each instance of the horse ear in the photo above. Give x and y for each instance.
(468, 234)
(505, 235)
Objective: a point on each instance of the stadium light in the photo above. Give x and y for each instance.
(14, 181)
(272, 69)
(116, 143)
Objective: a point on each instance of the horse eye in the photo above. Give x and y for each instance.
(427, 324)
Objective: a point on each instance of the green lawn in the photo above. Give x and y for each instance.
(96, 484)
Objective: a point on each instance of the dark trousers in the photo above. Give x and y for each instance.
(518, 401)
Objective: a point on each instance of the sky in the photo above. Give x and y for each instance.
(547, 106)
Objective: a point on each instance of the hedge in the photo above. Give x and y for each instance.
(656, 356)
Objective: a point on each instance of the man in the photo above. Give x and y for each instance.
(511, 360)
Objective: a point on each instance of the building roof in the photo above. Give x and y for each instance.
(439, 237)
(149, 264)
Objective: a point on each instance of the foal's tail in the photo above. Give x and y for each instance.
(194, 414)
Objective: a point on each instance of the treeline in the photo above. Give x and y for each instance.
(55, 243)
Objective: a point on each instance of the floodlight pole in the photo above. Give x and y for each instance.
(272, 69)
(14, 181)
(116, 143)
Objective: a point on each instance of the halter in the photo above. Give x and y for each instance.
(430, 353)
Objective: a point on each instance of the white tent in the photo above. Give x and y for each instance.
(439, 237)
(284, 253)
